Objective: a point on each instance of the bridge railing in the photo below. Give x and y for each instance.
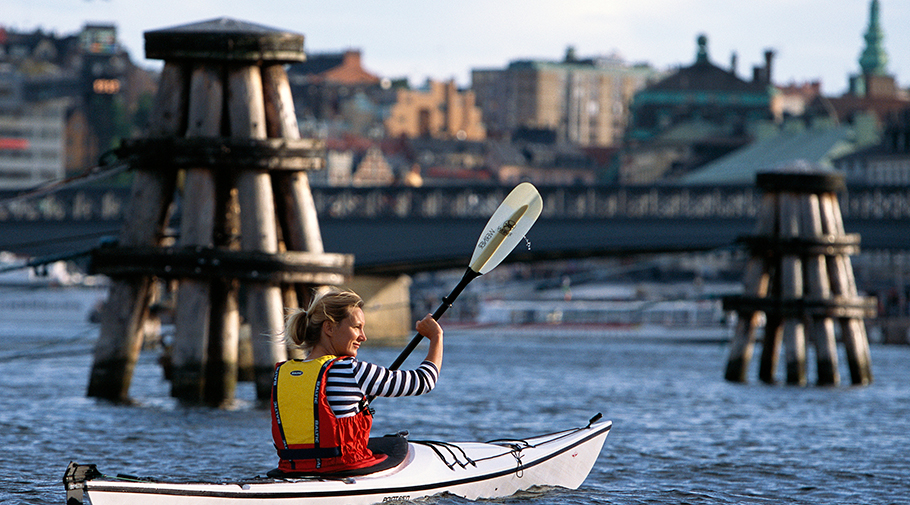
(598, 202)
(565, 202)
(472, 202)
(876, 202)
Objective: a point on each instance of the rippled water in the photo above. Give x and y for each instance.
(681, 433)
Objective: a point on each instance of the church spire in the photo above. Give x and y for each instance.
(874, 59)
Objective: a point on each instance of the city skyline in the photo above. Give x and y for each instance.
(812, 39)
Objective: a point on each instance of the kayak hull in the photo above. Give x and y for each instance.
(472, 470)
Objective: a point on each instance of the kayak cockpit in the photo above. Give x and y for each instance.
(395, 447)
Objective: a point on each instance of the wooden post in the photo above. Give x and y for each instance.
(755, 284)
(773, 325)
(805, 258)
(792, 291)
(194, 309)
(770, 351)
(296, 209)
(122, 320)
(821, 328)
(221, 368)
(853, 331)
(257, 226)
(222, 363)
(299, 218)
(294, 201)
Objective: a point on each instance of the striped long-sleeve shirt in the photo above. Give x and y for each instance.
(349, 381)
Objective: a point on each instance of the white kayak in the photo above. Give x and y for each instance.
(472, 470)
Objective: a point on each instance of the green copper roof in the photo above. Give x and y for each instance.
(813, 147)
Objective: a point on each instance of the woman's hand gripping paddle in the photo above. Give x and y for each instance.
(508, 225)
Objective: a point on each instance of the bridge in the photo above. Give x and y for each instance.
(398, 229)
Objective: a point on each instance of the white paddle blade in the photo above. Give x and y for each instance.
(509, 224)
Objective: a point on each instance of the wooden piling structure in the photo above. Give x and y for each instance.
(224, 125)
(799, 276)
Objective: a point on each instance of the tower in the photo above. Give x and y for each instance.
(874, 59)
(873, 80)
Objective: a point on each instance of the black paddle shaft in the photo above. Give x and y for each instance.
(447, 301)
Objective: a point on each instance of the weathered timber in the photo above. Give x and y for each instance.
(210, 262)
(122, 320)
(228, 132)
(853, 330)
(821, 328)
(222, 365)
(755, 284)
(258, 227)
(794, 335)
(802, 251)
(296, 209)
(224, 153)
(298, 216)
(224, 39)
(193, 309)
(755, 281)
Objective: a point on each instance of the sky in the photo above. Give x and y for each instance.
(421, 39)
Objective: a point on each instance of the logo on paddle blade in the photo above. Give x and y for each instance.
(505, 229)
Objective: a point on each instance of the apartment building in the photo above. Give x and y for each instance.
(886, 163)
(584, 102)
(32, 149)
(439, 111)
(65, 100)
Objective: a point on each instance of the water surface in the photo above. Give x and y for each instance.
(681, 433)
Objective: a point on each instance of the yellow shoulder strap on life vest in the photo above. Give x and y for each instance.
(296, 390)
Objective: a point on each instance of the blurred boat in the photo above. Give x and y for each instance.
(700, 319)
(50, 296)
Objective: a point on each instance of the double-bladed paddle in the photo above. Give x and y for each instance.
(508, 225)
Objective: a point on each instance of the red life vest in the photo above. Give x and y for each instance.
(307, 435)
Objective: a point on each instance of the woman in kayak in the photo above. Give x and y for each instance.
(320, 416)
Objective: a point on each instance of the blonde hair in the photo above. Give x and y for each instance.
(304, 327)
